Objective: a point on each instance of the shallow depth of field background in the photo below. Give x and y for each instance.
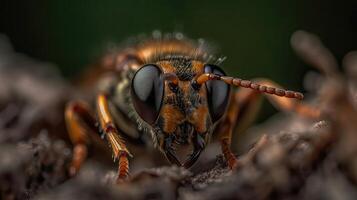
(253, 35)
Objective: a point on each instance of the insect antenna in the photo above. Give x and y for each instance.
(247, 84)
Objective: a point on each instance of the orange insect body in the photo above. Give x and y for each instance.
(169, 88)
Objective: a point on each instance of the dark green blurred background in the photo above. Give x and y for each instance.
(254, 36)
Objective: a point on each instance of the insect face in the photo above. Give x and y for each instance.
(167, 96)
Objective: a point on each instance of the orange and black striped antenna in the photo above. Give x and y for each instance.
(248, 84)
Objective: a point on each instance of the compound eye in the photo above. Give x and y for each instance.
(147, 90)
(217, 93)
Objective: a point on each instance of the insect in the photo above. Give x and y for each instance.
(172, 90)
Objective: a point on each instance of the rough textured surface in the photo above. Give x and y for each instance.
(297, 158)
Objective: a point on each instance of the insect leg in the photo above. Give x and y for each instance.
(117, 144)
(225, 130)
(80, 121)
(243, 108)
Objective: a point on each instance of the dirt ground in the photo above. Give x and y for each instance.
(287, 157)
